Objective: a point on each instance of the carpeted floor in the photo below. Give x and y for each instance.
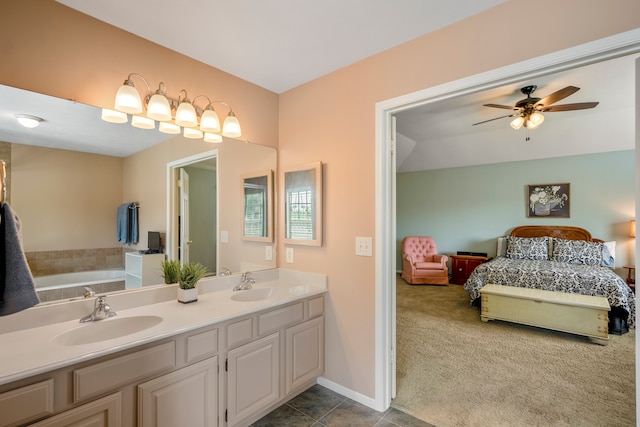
(455, 370)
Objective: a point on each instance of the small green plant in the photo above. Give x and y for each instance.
(190, 273)
(170, 271)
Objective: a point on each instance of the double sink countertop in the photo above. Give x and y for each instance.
(33, 343)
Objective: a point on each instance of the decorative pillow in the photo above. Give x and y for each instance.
(527, 247)
(577, 252)
(609, 254)
(501, 250)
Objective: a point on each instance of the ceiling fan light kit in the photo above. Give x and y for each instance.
(171, 113)
(528, 111)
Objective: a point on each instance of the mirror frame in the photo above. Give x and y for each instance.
(269, 225)
(316, 168)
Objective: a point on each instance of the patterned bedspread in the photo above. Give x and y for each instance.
(554, 276)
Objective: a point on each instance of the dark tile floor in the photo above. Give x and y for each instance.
(319, 406)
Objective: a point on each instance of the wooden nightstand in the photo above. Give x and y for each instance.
(463, 265)
(631, 277)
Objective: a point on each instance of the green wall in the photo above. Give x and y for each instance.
(467, 208)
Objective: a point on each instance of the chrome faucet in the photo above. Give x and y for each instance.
(101, 311)
(246, 282)
(88, 292)
(225, 272)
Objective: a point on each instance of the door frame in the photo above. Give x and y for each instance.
(385, 242)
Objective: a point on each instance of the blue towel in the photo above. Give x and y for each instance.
(127, 223)
(17, 288)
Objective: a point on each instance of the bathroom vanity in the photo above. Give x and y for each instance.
(226, 360)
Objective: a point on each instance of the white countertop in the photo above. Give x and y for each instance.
(33, 350)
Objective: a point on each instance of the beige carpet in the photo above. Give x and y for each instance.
(455, 370)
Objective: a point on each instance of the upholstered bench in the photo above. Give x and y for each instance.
(577, 314)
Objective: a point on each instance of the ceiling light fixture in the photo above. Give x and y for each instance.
(171, 113)
(29, 121)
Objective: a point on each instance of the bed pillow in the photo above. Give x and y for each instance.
(501, 250)
(577, 252)
(528, 248)
(609, 254)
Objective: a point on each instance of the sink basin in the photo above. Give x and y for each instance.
(107, 329)
(256, 294)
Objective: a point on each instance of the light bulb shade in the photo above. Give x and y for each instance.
(632, 230)
(28, 121)
(128, 100)
(159, 108)
(142, 122)
(231, 126)
(186, 115)
(192, 133)
(169, 128)
(212, 137)
(113, 116)
(517, 122)
(536, 119)
(210, 122)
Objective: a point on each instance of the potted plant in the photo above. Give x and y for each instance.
(190, 273)
(170, 271)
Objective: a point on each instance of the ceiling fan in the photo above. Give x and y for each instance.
(528, 111)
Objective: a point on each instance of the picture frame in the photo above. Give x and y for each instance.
(548, 200)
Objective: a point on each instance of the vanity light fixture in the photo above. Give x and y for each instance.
(29, 121)
(171, 113)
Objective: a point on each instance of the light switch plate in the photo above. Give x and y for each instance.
(224, 236)
(289, 255)
(364, 246)
(268, 253)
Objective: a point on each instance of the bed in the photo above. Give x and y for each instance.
(561, 259)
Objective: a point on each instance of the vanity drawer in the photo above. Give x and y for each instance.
(111, 374)
(316, 307)
(239, 332)
(26, 403)
(276, 319)
(202, 345)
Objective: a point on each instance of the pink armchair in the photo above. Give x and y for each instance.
(421, 263)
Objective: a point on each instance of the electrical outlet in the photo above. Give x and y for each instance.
(289, 255)
(268, 253)
(364, 246)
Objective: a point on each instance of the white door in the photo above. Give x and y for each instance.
(185, 238)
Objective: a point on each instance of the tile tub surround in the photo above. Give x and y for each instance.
(318, 406)
(43, 263)
(35, 327)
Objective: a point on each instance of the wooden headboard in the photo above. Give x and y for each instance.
(559, 231)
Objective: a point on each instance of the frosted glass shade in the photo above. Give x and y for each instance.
(28, 121)
(128, 100)
(535, 120)
(517, 122)
(186, 115)
(169, 128)
(231, 126)
(159, 108)
(142, 122)
(212, 137)
(210, 122)
(192, 133)
(114, 116)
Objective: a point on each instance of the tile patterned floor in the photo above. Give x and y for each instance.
(321, 407)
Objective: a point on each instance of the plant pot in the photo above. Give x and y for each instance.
(186, 296)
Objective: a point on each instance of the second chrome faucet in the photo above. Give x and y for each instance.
(101, 311)
(246, 282)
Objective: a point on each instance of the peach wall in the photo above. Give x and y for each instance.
(332, 119)
(48, 48)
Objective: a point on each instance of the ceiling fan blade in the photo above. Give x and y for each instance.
(570, 107)
(505, 107)
(558, 95)
(497, 118)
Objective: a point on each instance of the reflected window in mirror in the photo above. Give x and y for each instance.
(258, 207)
(303, 204)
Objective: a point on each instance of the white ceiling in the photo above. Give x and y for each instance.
(280, 44)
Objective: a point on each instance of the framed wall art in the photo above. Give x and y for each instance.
(548, 200)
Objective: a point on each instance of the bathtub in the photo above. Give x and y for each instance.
(77, 279)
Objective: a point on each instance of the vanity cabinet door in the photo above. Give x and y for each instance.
(305, 353)
(253, 380)
(186, 397)
(105, 412)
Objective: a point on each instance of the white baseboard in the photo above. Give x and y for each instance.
(360, 398)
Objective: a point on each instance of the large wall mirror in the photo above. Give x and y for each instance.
(66, 189)
(302, 189)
